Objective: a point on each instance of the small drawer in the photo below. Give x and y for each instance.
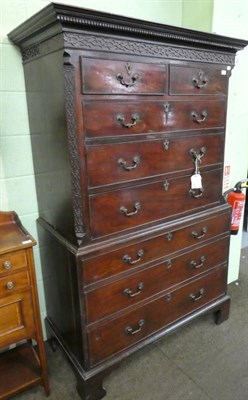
(17, 318)
(13, 261)
(134, 256)
(122, 77)
(198, 80)
(113, 336)
(14, 282)
(121, 118)
(115, 163)
(142, 285)
(135, 206)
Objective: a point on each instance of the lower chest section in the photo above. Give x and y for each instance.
(131, 293)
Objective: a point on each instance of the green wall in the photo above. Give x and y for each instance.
(197, 14)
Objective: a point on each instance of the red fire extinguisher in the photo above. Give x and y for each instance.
(236, 199)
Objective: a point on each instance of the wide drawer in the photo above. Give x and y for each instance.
(114, 163)
(134, 256)
(17, 318)
(122, 77)
(197, 81)
(14, 282)
(130, 118)
(134, 206)
(12, 261)
(113, 336)
(139, 286)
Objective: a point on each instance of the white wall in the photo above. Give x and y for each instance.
(230, 18)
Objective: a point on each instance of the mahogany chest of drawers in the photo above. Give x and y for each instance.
(127, 123)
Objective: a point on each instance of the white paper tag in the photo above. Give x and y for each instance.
(196, 181)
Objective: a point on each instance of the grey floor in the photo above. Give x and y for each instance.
(202, 361)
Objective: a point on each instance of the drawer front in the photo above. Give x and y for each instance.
(124, 331)
(122, 77)
(124, 162)
(197, 81)
(131, 207)
(130, 118)
(17, 318)
(132, 257)
(14, 282)
(13, 261)
(129, 291)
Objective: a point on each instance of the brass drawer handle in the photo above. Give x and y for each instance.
(195, 118)
(198, 156)
(194, 264)
(7, 265)
(197, 296)
(126, 258)
(123, 163)
(201, 235)
(200, 81)
(131, 331)
(133, 79)
(124, 210)
(10, 285)
(128, 292)
(196, 193)
(121, 119)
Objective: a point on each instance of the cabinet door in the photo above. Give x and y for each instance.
(17, 318)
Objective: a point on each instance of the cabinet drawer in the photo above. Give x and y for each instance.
(134, 256)
(122, 77)
(197, 81)
(129, 291)
(17, 318)
(113, 336)
(131, 207)
(12, 283)
(128, 118)
(124, 162)
(13, 261)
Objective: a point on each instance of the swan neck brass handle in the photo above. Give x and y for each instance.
(201, 235)
(197, 156)
(121, 120)
(196, 297)
(132, 78)
(131, 331)
(125, 212)
(128, 292)
(196, 193)
(194, 264)
(195, 118)
(200, 81)
(123, 163)
(127, 259)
